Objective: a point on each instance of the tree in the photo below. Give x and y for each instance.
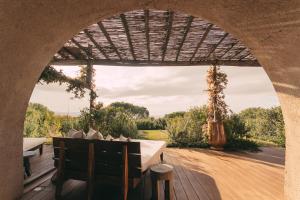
(174, 114)
(138, 112)
(217, 108)
(109, 120)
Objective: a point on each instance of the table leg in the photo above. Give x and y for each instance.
(169, 190)
(27, 166)
(41, 149)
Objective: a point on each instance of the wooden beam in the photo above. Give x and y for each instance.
(227, 50)
(216, 45)
(88, 54)
(145, 63)
(102, 28)
(187, 28)
(169, 30)
(201, 41)
(237, 53)
(241, 58)
(70, 52)
(146, 13)
(96, 44)
(125, 25)
(62, 55)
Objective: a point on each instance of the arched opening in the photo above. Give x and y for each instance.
(265, 47)
(154, 38)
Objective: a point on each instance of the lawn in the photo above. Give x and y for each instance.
(154, 135)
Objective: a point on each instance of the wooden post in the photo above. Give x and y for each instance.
(89, 80)
(125, 172)
(91, 170)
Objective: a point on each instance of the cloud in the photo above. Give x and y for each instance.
(163, 89)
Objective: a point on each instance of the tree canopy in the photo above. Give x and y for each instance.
(136, 111)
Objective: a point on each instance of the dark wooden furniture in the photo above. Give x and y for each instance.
(97, 161)
(26, 162)
(162, 172)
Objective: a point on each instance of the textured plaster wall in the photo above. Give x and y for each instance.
(32, 31)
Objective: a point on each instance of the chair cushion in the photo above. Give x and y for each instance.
(75, 134)
(92, 134)
(123, 139)
(109, 137)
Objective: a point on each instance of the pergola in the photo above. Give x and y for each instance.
(154, 38)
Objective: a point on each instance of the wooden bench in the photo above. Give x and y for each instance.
(97, 161)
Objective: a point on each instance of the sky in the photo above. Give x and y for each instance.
(161, 89)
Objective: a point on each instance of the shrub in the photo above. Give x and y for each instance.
(40, 122)
(67, 123)
(187, 130)
(109, 120)
(235, 128)
(235, 144)
(151, 124)
(265, 124)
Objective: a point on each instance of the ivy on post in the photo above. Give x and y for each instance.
(217, 108)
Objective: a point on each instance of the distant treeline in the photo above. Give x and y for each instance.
(186, 128)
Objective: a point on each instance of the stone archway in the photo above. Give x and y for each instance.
(31, 32)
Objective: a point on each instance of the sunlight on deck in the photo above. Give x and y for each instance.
(200, 174)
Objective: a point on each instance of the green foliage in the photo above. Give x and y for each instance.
(216, 83)
(235, 128)
(264, 124)
(75, 85)
(40, 122)
(187, 130)
(235, 144)
(137, 112)
(67, 123)
(174, 114)
(109, 120)
(151, 124)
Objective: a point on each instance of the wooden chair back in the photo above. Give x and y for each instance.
(113, 162)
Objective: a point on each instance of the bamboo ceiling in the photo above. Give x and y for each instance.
(154, 38)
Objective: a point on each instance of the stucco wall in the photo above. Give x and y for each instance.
(32, 31)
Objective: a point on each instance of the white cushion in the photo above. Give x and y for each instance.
(77, 134)
(123, 139)
(90, 133)
(100, 136)
(109, 137)
(70, 132)
(94, 135)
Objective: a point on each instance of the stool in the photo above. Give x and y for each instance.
(162, 172)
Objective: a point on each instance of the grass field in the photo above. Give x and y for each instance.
(154, 135)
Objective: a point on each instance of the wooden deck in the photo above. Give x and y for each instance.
(200, 174)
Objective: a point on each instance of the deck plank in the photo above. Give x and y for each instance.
(199, 174)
